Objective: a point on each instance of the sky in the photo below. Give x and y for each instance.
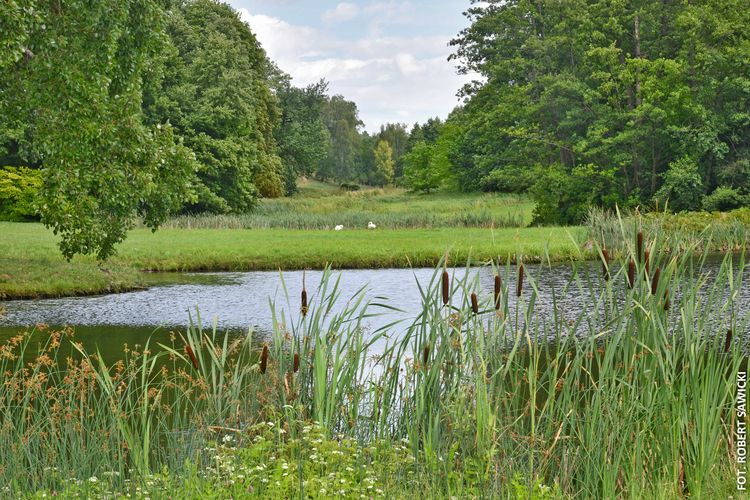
(388, 56)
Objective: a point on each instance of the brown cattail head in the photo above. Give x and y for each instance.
(264, 359)
(446, 288)
(639, 246)
(666, 300)
(296, 362)
(425, 355)
(605, 263)
(728, 341)
(190, 354)
(474, 303)
(303, 308)
(498, 288)
(631, 273)
(519, 285)
(655, 281)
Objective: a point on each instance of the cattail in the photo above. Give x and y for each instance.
(631, 273)
(474, 303)
(605, 263)
(519, 285)
(425, 354)
(666, 300)
(303, 309)
(640, 246)
(655, 281)
(264, 359)
(296, 362)
(190, 354)
(728, 341)
(446, 288)
(647, 259)
(498, 287)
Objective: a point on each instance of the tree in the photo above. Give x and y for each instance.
(75, 93)
(216, 94)
(341, 118)
(397, 137)
(383, 164)
(303, 139)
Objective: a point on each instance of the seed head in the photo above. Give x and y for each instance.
(425, 355)
(519, 285)
(655, 281)
(264, 359)
(498, 288)
(728, 341)
(446, 288)
(190, 354)
(631, 273)
(474, 303)
(296, 362)
(640, 245)
(303, 307)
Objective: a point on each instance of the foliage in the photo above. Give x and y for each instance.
(77, 94)
(19, 188)
(216, 95)
(303, 139)
(341, 118)
(682, 188)
(724, 199)
(565, 197)
(634, 87)
(383, 164)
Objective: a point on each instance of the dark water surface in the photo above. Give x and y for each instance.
(240, 301)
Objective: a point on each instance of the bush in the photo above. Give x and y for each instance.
(19, 187)
(723, 199)
(683, 187)
(349, 186)
(564, 197)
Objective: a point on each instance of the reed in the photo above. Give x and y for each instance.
(449, 403)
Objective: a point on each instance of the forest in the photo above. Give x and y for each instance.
(144, 109)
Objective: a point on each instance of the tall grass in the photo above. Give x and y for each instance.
(630, 396)
(392, 209)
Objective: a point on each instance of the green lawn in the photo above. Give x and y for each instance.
(31, 265)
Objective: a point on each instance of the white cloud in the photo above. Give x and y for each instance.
(390, 78)
(342, 12)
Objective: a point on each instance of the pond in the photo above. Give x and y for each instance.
(238, 301)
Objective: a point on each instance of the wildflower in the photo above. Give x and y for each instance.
(93, 479)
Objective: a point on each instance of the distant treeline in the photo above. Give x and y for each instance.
(125, 108)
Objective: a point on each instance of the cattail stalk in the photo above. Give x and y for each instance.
(474, 303)
(639, 246)
(519, 285)
(498, 288)
(666, 300)
(647, 261)
(605, 263)
(631, 274)
(303, 308)
(728, 341)
(446, 288)
(190, 354)
(655, 281)
(264, 359)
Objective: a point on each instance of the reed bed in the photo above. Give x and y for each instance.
(392, 209)
(479, 395)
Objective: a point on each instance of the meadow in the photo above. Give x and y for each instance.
(632, 397)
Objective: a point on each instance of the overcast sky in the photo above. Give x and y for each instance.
(388, 56)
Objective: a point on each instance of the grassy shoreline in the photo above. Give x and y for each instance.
(31, 267)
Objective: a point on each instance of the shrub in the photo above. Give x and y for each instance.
(723, 199)
(349, 186)
(18, 190)
(683, 186)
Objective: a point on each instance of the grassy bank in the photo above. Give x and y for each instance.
(633, 396)
(30, 264)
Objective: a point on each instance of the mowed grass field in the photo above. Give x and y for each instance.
(31, 264)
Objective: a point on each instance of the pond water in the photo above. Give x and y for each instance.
(239, 301)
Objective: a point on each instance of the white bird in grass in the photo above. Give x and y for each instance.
(338, 228)
(370, 225)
